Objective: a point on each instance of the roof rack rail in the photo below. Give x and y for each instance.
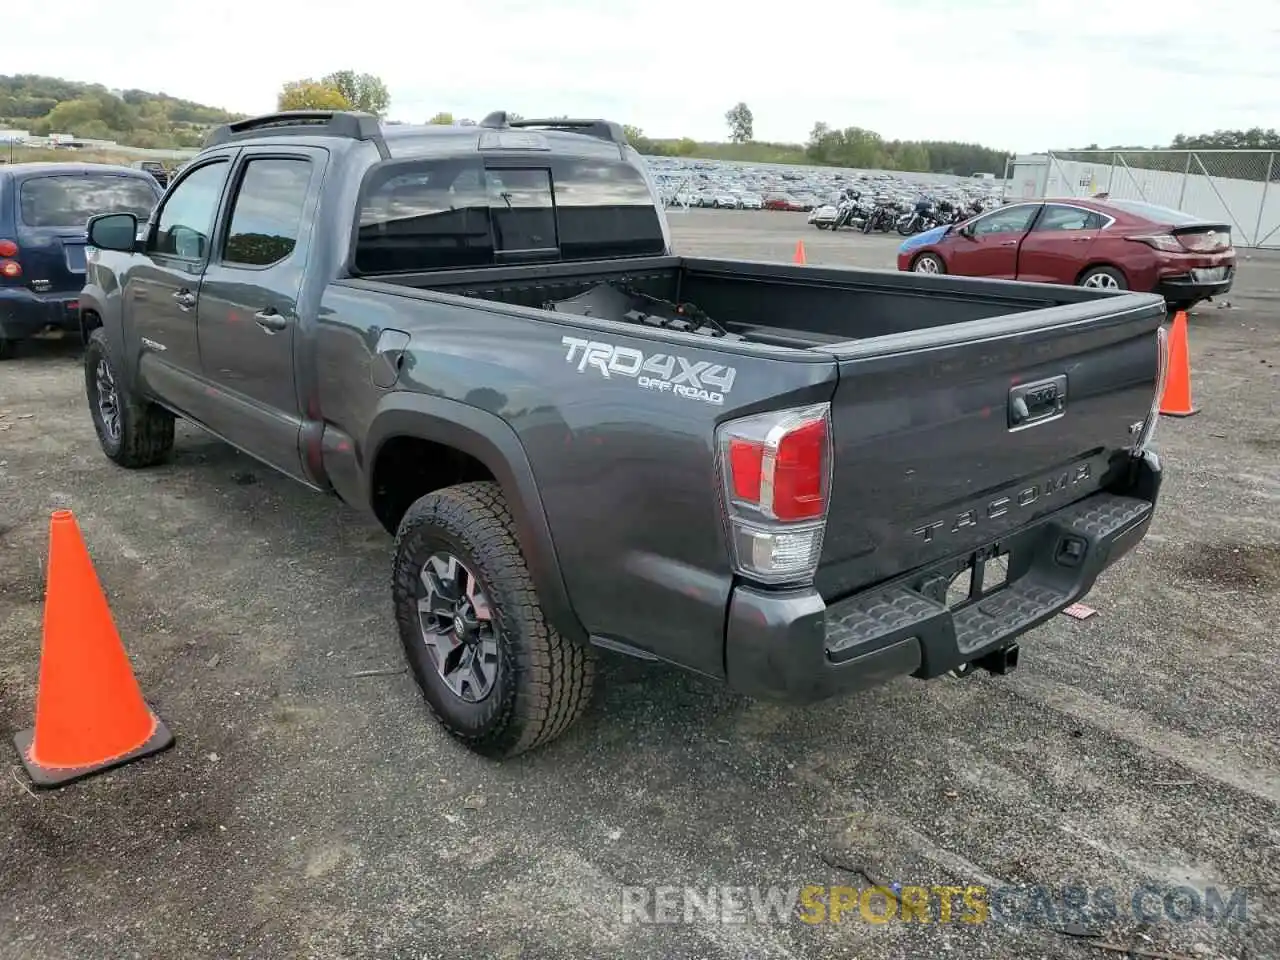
(600, 129)
(328, 123)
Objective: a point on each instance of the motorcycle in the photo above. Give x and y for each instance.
(882, 217)
(923, 217)
(850, 212)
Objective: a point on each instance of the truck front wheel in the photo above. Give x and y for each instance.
(132, 431)
(492, 670)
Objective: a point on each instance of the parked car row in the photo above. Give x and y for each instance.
(724, 185)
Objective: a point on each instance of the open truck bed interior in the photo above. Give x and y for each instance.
(776, 304)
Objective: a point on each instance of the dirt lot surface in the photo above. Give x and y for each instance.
(306, 812)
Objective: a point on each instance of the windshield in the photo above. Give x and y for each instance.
(69, 201)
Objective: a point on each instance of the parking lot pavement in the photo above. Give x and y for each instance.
(307, 812)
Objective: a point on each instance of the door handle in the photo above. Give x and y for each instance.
(186, 299)
(271, 321)
(1008, 243)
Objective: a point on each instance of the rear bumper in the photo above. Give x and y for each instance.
(1178, 289)
(791, 646)
(24, 313)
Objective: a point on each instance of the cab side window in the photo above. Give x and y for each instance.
(185, 223)
(267, 216)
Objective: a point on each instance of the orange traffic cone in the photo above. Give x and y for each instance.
(1176, 401)
(799, 257)
(90, 714)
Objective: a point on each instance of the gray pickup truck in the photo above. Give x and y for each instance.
(798, 480)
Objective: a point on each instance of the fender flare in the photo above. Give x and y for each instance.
(94, 299)
(492, 441)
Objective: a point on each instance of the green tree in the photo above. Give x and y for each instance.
(1253, 139)
(443, 118)
(311, 95)
(96, 130)
(70, 115)
(47, 105)
(741, 123)
(363, 91)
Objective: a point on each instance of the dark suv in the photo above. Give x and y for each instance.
(44, 208)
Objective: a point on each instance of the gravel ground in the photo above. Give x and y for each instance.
(307, 812)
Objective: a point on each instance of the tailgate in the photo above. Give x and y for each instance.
(947, 438)
(53, 257)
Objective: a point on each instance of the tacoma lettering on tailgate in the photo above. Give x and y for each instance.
(1002, 505)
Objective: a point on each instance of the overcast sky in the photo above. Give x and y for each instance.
(1015, 74)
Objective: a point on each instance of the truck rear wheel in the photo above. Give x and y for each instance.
(7, 348)
(492, 670)
(131, 431)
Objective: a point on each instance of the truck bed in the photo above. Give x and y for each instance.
(776, 304)
(962, 411)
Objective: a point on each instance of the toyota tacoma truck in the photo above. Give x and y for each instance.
(799, 480)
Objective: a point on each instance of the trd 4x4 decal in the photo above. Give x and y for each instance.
(664, 372)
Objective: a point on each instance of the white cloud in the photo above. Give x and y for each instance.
(1019, 74)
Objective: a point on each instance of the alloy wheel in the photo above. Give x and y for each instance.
(457, 627)
(108, 401)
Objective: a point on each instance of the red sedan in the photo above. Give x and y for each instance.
(1112, 244)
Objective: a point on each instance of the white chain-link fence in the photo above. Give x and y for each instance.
(1237, 187)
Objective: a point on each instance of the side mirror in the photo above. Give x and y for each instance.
(966, 231)
(114, 231)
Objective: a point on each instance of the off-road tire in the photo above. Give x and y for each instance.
(544, 681)
(146, 430)
(7, 348)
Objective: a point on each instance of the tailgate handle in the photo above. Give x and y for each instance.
(1038, 402)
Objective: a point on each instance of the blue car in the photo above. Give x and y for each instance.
(43, 211)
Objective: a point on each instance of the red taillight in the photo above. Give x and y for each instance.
(746, 462)
(782, 474)
(798, 473)
(1161, 241)
(1148, 430)
(10, 269)
(8, 248)
(776, 469)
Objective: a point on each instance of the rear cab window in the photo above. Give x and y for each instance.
(439, 214)
(69, 200)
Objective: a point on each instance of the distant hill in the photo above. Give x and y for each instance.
(136, 118)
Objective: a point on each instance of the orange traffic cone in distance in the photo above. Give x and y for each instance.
(1176, 401)
(799, 257)
(90, 715)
